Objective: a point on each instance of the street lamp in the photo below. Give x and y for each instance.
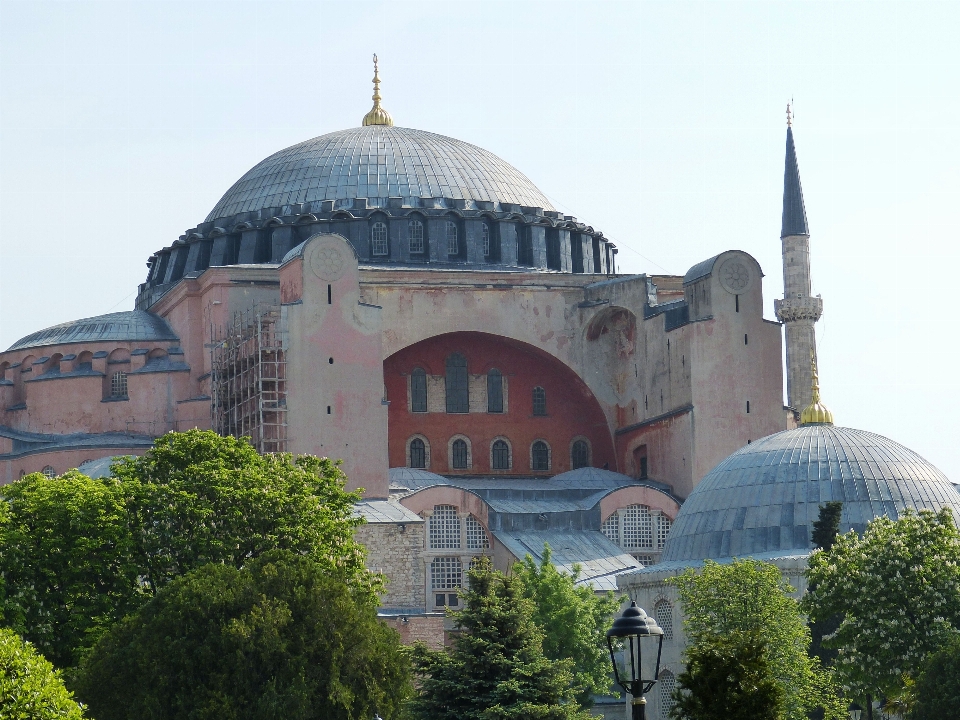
(633, 628)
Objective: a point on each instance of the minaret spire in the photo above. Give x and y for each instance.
(799, 310)
(377, 115)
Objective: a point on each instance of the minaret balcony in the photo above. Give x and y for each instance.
(801, 308)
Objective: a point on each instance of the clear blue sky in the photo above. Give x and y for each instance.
(661, 123)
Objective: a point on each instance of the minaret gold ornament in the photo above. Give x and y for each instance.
(816, 413)
(377, 115)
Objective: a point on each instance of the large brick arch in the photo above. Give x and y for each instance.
(572, 410)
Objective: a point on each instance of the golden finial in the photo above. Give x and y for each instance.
(377, 115)
(816, 413)
(790, 113)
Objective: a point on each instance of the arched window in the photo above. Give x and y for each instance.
(118, 384)
(418, 390)
(49, 471)
(485, 238)
(580, 454)
(539, 401)
(443, 528)
(378, 239)
(501, 455)
(457, 384)
(667, 682)
(418, 454)
(453, 246)
(494, 391)
(611, 528)
(416, 236)
(663, 613)
(540, 456)
(459, 455)
(663, 529)
(476, 535)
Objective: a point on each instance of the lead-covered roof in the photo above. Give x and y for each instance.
(129, 326)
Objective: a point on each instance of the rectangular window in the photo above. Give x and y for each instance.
(576, 252)
(453, 245)
(446, 573)
(524, 246)
(494, 391)
(418, 391)
(457, 385)
(443, 528)
(637, 527)
(378, 239)
(553, 248)
(416, 236)
(486, 240)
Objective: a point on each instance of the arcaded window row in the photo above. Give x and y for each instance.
(460, 454)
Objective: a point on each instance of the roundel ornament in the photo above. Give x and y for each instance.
(735, 276)
(327, 262)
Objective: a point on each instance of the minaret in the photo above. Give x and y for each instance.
(798, 311)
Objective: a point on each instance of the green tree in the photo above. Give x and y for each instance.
(937, 690)
(824, 535)
(197, 498)
(66, 559)
(30, 689)
(728, 676)
(898, 591)
(749, 597)
(574, 621)
(278, 639)
(496, 669)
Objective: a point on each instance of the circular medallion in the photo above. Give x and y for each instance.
(327, 262)
(734, 276)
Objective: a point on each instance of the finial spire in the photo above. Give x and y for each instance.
(794, 220)
(377, 115)
(816, 413)
(790, 113)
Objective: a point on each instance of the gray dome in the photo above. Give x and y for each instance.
(133, 325)
(378, 162)
(764, 499)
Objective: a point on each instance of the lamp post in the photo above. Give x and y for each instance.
(635, 628)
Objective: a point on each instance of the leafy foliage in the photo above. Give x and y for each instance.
(66, 557)
(278, 639)
(824, 535)
(937, 690)
(728, 676)
(898, 591)
(197, 498)
(574, 621)
(750, 598)
(497, 669)
(30, 689)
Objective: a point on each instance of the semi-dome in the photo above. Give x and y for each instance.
(128, 326)
(762, 500)
(378, 161)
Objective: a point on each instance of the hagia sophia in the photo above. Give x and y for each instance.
(414, 305)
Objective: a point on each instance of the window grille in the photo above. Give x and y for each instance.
(541, 456)
(444, 528)
(418, 390)
(418, 454)
(118, 385)
(446, 573)
(416, 236)
(611, 528)
(453, 246)
(663, 529)
(457, 384)
(667, 682)
(580, 456)
(476, 536)
(501, 455)
(645, 560)
(486, 240)
(637, 527)
(49, 471)
(378, 238)
(663, 613)
(539, 401)
(494, 391)
(459, 454)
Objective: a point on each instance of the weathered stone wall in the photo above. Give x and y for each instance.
(395, 549)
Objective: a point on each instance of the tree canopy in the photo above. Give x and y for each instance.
(898, 591)
(279, 639)
(749, 598)
(496, 669)
(936, 694)
(574, 621)
(728, 676)
(30, 689)
(66, 556)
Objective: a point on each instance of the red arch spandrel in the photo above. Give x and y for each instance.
(572, 409)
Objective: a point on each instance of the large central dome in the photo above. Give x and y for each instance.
(378, 161)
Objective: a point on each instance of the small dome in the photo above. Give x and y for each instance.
(378, 161)
(133, 325)
(764, 499)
